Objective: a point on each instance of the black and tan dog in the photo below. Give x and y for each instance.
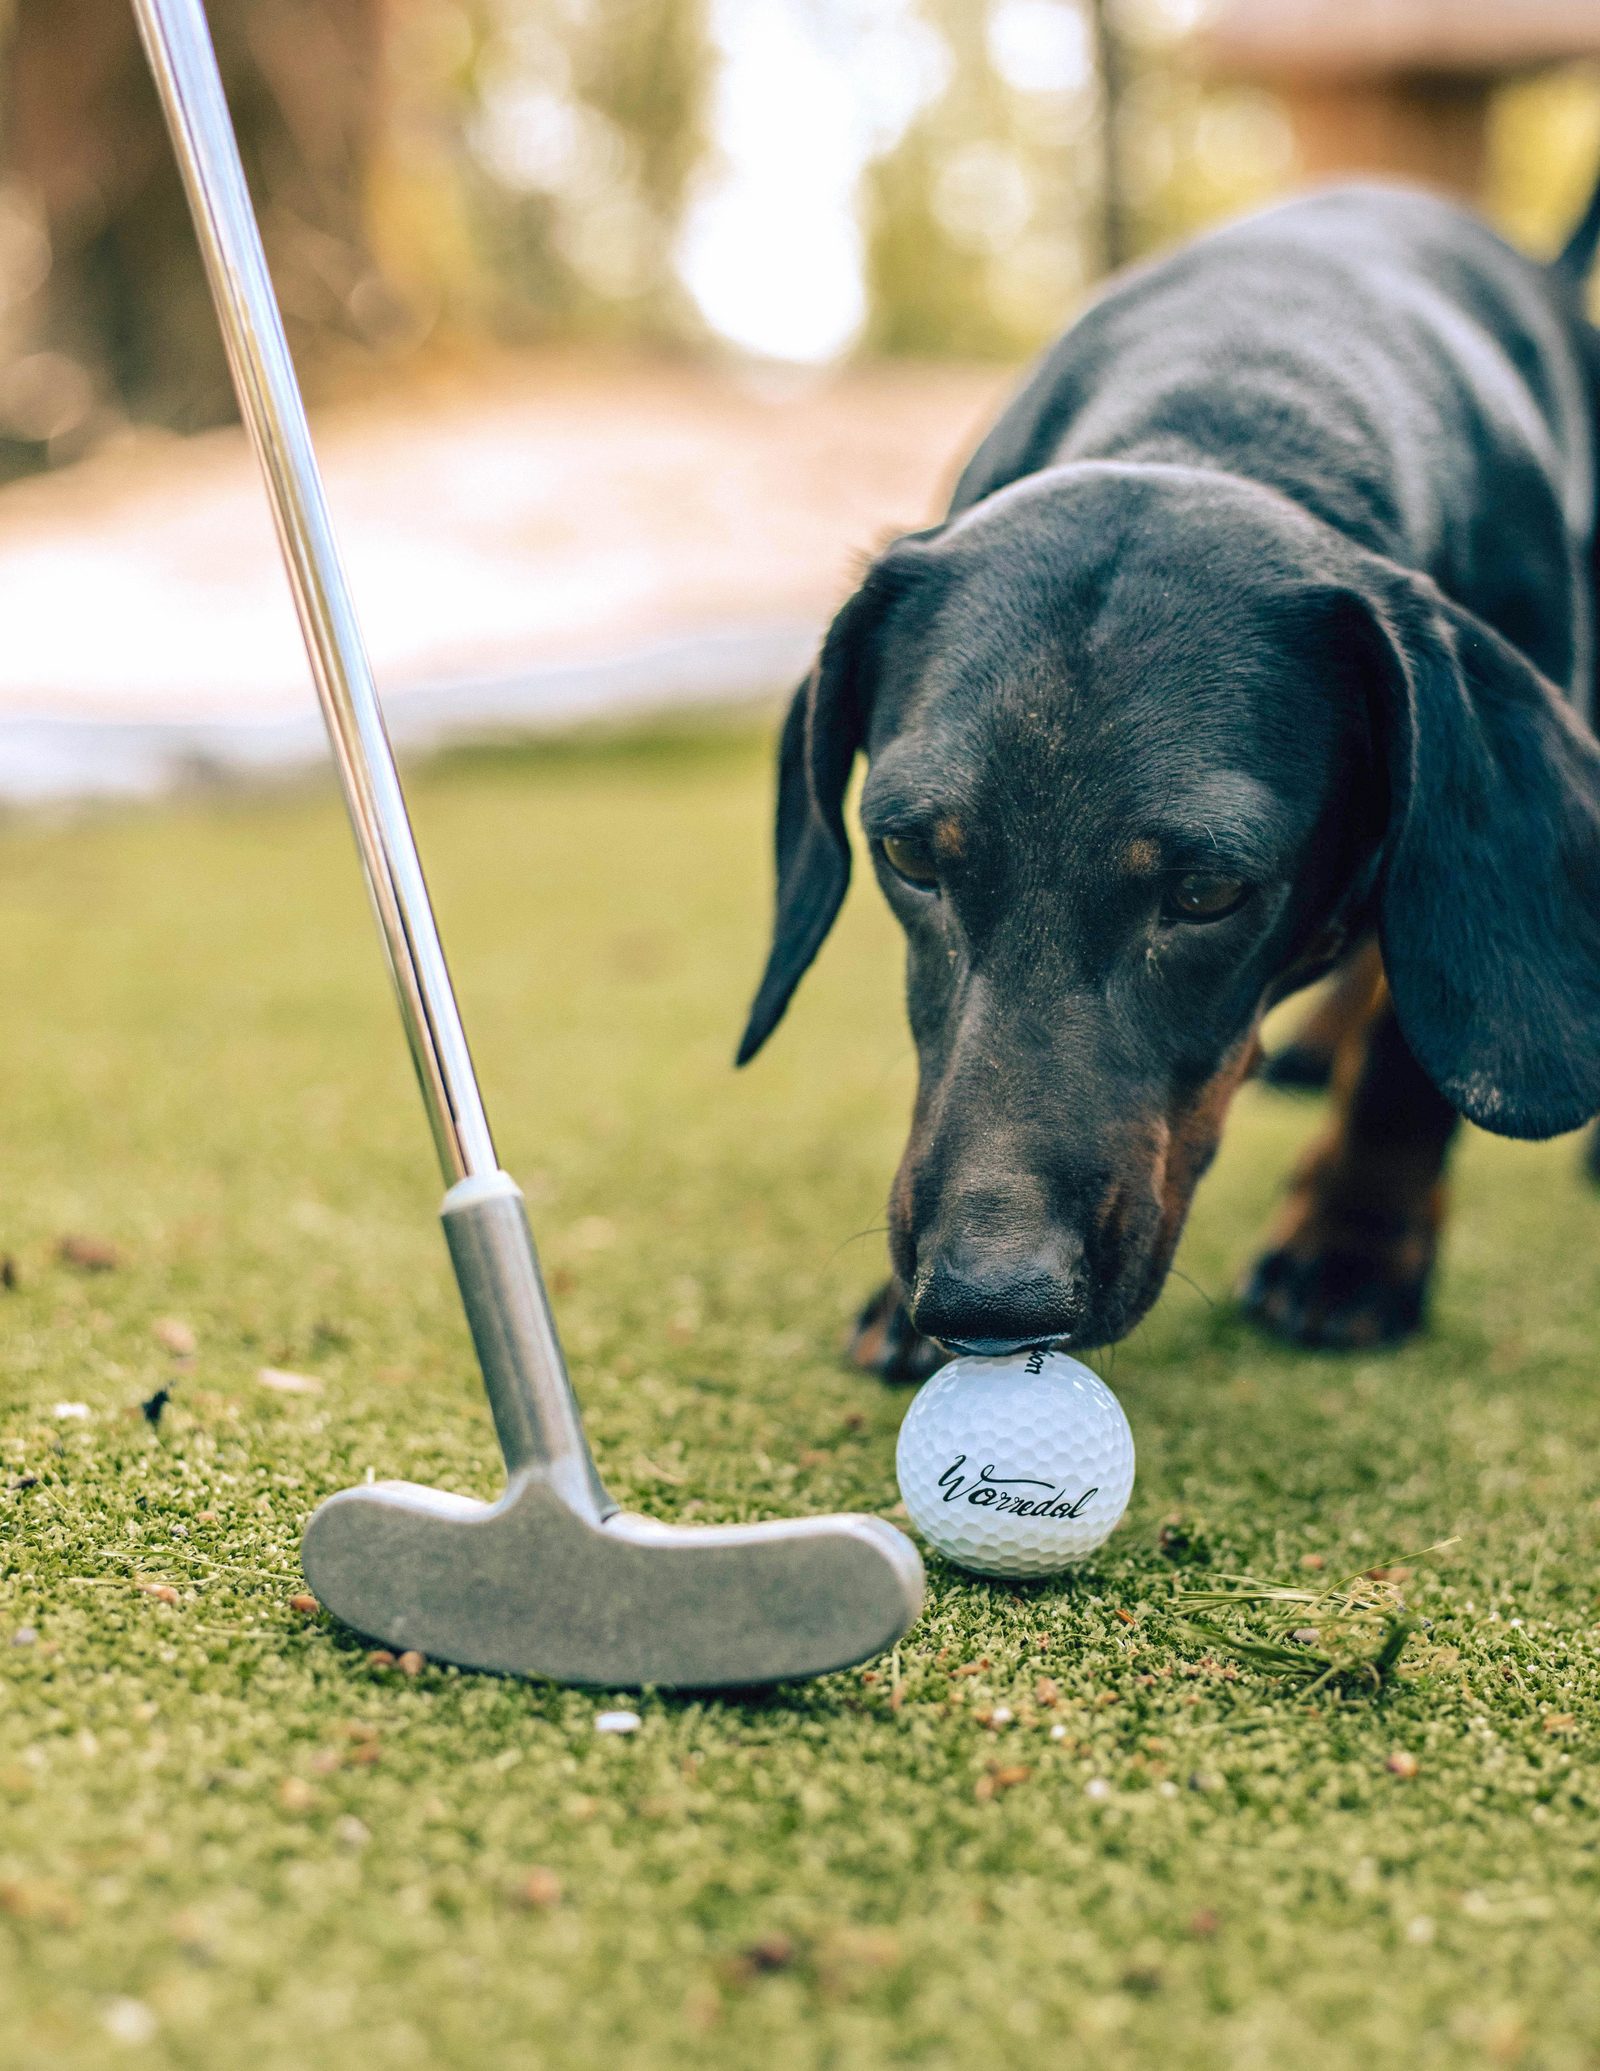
(1259, 642)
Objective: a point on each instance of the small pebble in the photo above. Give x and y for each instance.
(1058, 1732)
(1420, 1930)
(296, 1795)
(617, 1722)
(163, 1592)
(129, 2021)
(1306, 1635)
(539, 1889)
(411, 1662)
(1097, 1787)
(71, 1412)
(305, 1604)
(173, 1335)
(283, 1382)
(38, 1901)
(89, 1254)
(380, 1657)
(1002, 1715)
(25, 1636)
(1402, 1763)
(773, 1952)
(351, 1832)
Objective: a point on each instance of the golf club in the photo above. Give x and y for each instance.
(552, 1579)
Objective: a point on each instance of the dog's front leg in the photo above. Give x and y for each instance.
(1345, 1003)
(885, 1341)
(1349, 1260)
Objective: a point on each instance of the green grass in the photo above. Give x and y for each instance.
(226, 1838)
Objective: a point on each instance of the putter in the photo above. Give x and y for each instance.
(553, 1579)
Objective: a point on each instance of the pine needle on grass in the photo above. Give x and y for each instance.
(1348, 1635)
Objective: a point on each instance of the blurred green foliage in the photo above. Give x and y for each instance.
(582, 125)
(981, 218)
(1544, 155)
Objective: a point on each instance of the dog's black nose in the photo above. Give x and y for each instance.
(999, 1303)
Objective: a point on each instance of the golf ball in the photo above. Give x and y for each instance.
(1016, 1466)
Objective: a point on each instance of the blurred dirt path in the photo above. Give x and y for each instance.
(536, 540)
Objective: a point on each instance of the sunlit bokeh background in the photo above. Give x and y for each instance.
(795, 180)
(635, 284)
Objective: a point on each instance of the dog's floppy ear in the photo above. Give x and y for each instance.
(1489, 894)
(825, 729)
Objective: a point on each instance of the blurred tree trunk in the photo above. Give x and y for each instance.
(105, 309)
(1116, 241)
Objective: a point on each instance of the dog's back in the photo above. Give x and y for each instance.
(1381, 358)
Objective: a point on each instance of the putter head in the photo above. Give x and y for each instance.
(553, 1580)
(537, 1584)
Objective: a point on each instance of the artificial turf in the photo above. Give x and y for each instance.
(228, 1838)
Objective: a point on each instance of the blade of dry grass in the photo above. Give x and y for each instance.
(1356, 1627)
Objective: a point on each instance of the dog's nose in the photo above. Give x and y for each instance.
(993, 1303)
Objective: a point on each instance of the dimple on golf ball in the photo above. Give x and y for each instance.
(1017, 1466)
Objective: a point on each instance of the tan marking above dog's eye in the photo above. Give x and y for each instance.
(1203, 895)
(1141, 858)
(910, 859)
(950, 839)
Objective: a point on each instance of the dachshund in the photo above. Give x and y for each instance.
(1258, 644)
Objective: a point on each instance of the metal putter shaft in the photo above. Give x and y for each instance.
(552, 1579)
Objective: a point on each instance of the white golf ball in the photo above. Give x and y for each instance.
(1016, 1466)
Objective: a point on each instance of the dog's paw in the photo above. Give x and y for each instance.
(1337, 1295)
(886, 1342)
(1298, 1068)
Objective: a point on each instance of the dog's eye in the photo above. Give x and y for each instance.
(1198, 895)
(912, 860)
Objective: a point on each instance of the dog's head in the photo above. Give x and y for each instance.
(1143, 745)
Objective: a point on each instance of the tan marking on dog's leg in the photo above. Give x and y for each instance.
(1342, 1008)
(1350, 1253)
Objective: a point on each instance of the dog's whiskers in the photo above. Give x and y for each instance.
(880, 1229)
(1178, 1274)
